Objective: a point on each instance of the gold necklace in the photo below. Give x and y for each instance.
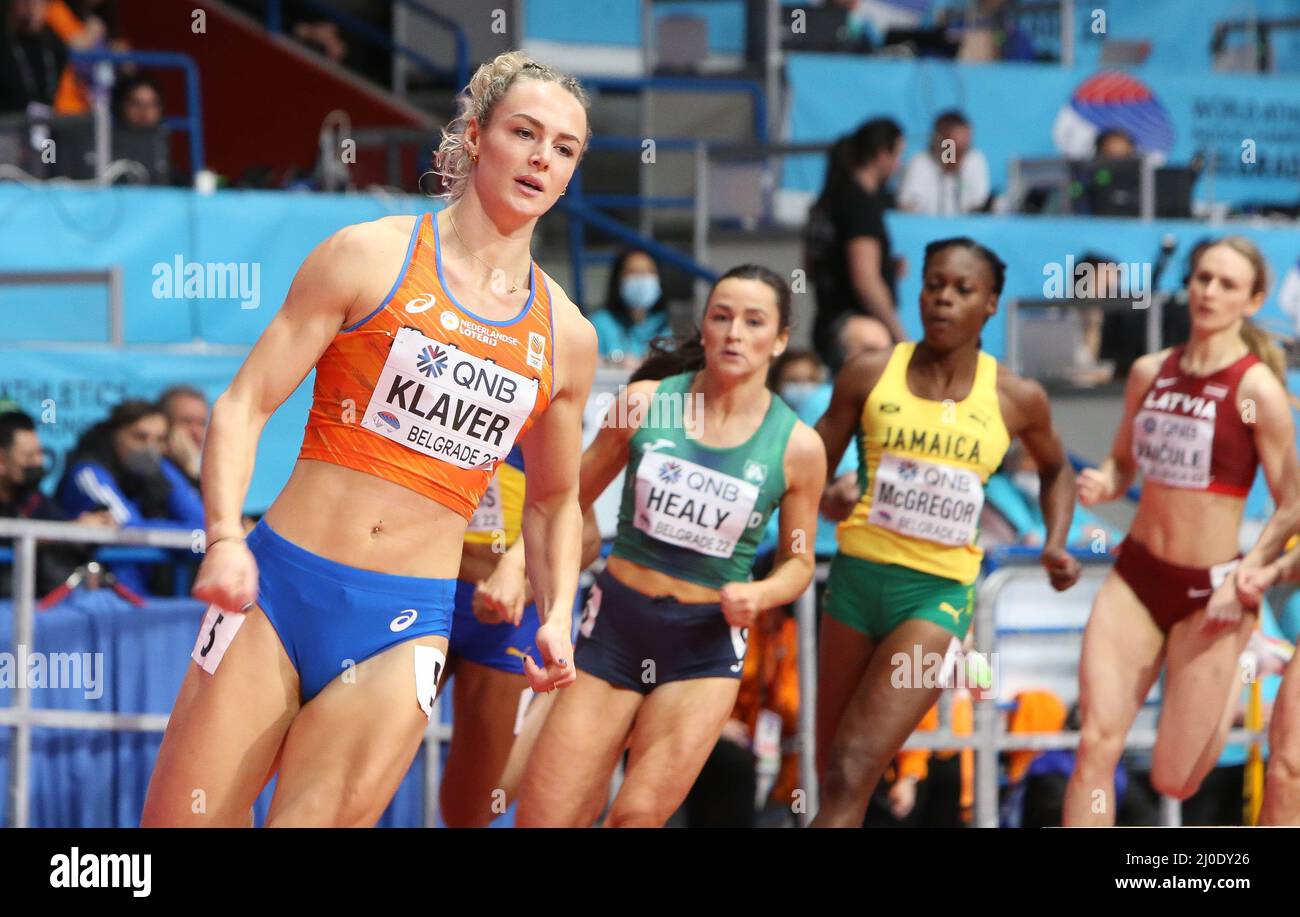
(514, 287)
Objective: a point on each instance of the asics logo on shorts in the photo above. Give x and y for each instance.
(403, 621)
(422, 303)
(1198, 593)
(739, 643)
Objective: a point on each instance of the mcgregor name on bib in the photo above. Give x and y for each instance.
(939, 503)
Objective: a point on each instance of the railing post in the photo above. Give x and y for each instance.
(805, 614)
(20, 753)
(987, 726)
(700, 236)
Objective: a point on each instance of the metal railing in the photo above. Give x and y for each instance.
(458, 75)
(23, 717)
(988, 738)
(111, 278)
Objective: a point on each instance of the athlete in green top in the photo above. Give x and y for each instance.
(710, 453)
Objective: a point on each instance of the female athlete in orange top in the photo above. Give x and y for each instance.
(328, 627)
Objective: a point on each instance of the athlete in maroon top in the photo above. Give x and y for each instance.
(1192, 432)
(1199, 420)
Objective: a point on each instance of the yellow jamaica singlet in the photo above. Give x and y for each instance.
(922, 471)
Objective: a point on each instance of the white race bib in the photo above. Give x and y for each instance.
(450, 405)
(1173, 450)
(489, 517)
(691, 506)
(921, 499)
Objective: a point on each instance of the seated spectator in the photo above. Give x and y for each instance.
(118, 466)
(635, 309)
(186, 409)
(22, 468)
(138, 130)
(32, 58)
(950, 177)
(1114, 143)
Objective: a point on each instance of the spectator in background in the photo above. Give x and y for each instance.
(82, 25)
(32, 58)
(949, 178)
(22, 468)
(187, 422)
(1114, 143)
(635, 309)
(847, 247)
(137, 103)
(118, 465)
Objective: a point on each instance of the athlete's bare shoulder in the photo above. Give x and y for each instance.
(1023, 401)
(805, 446)
(575, 337)
(1145, 367)
(1261, 385)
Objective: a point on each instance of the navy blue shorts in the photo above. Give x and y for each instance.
(499, 646)
(636, 641)
(330, 616)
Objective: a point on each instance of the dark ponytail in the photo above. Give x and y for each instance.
(670, 356)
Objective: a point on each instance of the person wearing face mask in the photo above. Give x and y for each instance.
(118, 466)
(635, 310)
(22, 468)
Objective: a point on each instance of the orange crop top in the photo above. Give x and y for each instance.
(426, 394)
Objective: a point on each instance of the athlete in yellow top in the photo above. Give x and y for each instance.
(934, 420)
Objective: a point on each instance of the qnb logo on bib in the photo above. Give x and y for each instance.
(448, 404)
(691, 506)
(939, 503)
(1174, 450)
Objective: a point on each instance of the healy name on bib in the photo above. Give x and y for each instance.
(698, 512)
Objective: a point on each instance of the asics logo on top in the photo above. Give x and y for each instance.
(422, 303)
(403, 621)
(659, 443)
(1162, 383)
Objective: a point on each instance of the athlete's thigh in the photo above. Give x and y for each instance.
(1201, 688)
(566, 780)
(539, 707)
(674, 734)
(1122, 653)
(485, 704)
(226, 728)
(888, 702)
(842, 656)
(350, 746)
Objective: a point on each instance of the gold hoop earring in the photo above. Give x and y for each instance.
(473, 157)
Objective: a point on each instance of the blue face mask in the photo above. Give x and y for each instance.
(796, 394)
(640, 291)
